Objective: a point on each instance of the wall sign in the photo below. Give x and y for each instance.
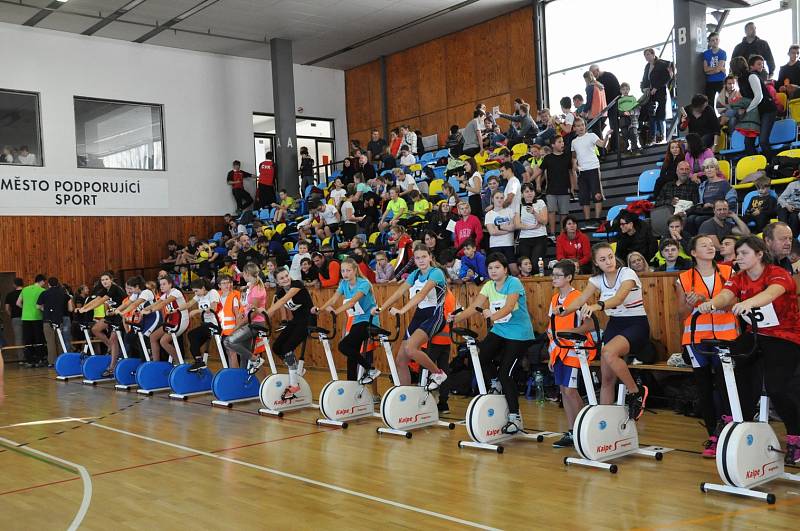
(83, 192)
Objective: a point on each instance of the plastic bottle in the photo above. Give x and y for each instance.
(540, 265)
(538, 379)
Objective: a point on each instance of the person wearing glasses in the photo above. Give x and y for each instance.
(634, 236)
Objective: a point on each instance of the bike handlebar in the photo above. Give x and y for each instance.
(716, 344)
(574, 336)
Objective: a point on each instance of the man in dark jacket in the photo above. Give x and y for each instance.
(634, 236)
(752, 45)
(611, 85)
(657, 74)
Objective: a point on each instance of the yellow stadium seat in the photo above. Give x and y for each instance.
(393, 261)
(780, 100)
(484, 163)
(794, 109)
(725, 168)
(373, 238)
(722, 143)
(746, 166)
(795, 153)
(435, 187)
(280, 228)
(463, 157)
(519, 149)
(415, 168)
(289, 246)
(326, 241)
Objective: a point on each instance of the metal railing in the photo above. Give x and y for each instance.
(615, 109)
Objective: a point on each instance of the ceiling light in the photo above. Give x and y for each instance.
(63, 1)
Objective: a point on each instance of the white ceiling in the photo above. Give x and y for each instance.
(242, 27)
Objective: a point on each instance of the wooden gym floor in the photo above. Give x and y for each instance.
(161, 464)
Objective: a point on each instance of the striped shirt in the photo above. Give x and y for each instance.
(633, 305)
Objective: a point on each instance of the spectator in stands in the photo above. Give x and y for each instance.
(396, 209)
(680, 189)
(387, 160)
(500, 225)
(675, 230)
(246, 253)
(405, 182)
(751, 45)
(574, 245)
(628, 121)
(384, 271)
(716, 186)
(727, 250)
(547, 129)
(395, 142)
(349, 218)
(789, 206)
(763, 207)
(32, 331)
(367, 169)
(674, 155)
(285, 208)
(451, 266)
(15, 312)
(468, 227)
(434, 242)
(638, 262)
(235, 180)
(306, 170)
(512, 193)
(375, 147)
(24, 156)
(557, 172)
(302, 252)
(788, 80)
(565, 121)
(700, 119)
(726, 97)
(338, 192)
(634, 235)
(455, 141)
(526, 129)
(714, 60)
(348, 171)
(778, 237)
(328, 269)
(595, 103)
(531, 219)
(723, 223)
(696, 155)
(439, 219)
(473, 184)
(406, 158)
(754, 94)
(587, 165)
(56, 306)
(613, 89)
(409, 139)
(670, 251)
(473, 264)
(309, 274)
(492, 185)
(266, 181)
(473, 141)
(657, 75)
(420, 144)
(577, 101)
(6, 156)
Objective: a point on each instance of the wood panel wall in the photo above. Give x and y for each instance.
(77, 249)
(659, 301)
(437, 84)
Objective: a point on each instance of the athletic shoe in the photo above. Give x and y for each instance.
(565, 442)
(197, 365)
(301, 370)
(495, 386)
(370, 377)
(108, 373)
(435, 380)
(443, 408)
(290, 392)
(636, 402)
(792, 449)
(514, 424)
(710, 447)
(254, 364)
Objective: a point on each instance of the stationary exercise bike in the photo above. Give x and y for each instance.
(153, 376)
(601, 432)
(748, 452)
(273, 392)
(341, 401)
(70, 364)
(184, 383)
(231, 385)
(96, 365)
(487, 413)
(405, 407)
(125, 370)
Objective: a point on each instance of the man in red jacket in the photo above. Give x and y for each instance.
(467, 227)
(266, 181)
(236, 179)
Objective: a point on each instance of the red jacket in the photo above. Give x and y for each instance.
(578, 249)
(471, 228)
(368, 273)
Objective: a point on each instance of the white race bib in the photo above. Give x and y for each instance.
(765, 317)
(498, 305)
(355, 310)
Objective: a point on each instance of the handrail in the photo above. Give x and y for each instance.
(602, 112)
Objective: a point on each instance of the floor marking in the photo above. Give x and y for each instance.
(63, 464)
(40, 422)
(302, 479)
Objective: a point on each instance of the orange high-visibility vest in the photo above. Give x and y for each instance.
(720, 325)
(230, 309)
(567, 322)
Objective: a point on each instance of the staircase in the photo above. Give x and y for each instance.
(619, 183)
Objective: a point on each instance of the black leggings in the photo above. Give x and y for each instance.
(350, 346)
(291, 337)
(198, 337)
(500, 357)
(533, 248)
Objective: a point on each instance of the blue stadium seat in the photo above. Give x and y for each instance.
(426, 158)
(784, 133)
(646, 185)
(748, 198)
(612, 214)
(441, 154)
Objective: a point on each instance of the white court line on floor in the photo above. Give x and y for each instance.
(85, 478)
(300, 478)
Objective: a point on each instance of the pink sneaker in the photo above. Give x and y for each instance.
(792, 449)
(710, 445)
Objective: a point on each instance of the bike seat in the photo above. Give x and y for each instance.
(717, 343)
(571, 336)
(318, 330)
(85, 326)
(375, 331)
(214, 329)
(465, 332)
(259, 329)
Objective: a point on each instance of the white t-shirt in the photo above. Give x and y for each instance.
(407, 183)
(633, 305)
(145, 298)
(513, 186)
(408, 160)
(472, 181)
(338, 195)
(294, 269)
(209, 304)
(529, 218)
(29, 159)
(180, 300)
(583, 146)
(329, 215)
(347, 211)
(500, 217)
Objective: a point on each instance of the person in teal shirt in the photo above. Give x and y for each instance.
(504, 304)
(32, 331)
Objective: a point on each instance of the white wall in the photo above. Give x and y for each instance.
(208, 103)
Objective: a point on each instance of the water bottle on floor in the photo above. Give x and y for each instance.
(538, 379)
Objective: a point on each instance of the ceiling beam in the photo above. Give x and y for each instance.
(43, 13)
(112, 17)
(179, 18)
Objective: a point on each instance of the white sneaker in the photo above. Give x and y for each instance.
(514, 424)
(495, 386)
(435, 380)
(253, 365)
(370, 376)
(301, 370)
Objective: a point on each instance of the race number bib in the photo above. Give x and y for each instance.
(496, 306)
(765, 317)
(355, 310)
